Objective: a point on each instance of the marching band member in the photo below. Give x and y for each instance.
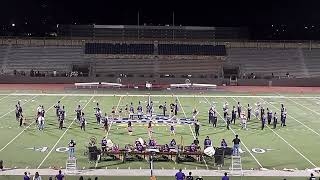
(275, 120)
(150, 131)
(224, 144)
(139, 110)
(225, 110)
(243, 121)
(239, 109)
(207, 142)
(233, 115)
(61, 117)
(57, 106)
(98, 115)
(78, 113)
(269, 116)
(249, 112)
(82, 122)
(283, 116)
(172, 129)
(105, 123)
(129, 128)
(131, 111)
(41, 122)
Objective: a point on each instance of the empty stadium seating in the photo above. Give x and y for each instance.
(189, 49)
(267, 61)
(44, 59)
(117, 48)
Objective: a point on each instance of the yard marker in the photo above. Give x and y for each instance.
(25, 128)
(297, 151)
(296, 120)
(242, 140)
(194, 137)
(62, 136)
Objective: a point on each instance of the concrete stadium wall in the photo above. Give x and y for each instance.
(303, 82)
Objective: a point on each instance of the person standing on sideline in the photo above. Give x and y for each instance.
(225, 177)
(59, 176)
(236, 144)
(37, 176)
(189, 177)
(26, 176)
(180, 175)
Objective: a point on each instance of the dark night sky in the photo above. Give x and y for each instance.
(257, 15)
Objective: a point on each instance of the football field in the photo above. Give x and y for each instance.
(295, 146)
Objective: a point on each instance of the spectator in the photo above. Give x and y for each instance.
(225, 177)
(312, 177)
(37, 176)
(80, 178)
(26, 176)
(180, 175)
(59, 176)
(190, 176)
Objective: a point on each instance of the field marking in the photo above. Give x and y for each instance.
(297, 151)
(294, 119)
(242, 142)
(62, 136)
(6, 96)
(21, 105)
(24, 130)
(194, 137)
(304, 106)
(160, 95)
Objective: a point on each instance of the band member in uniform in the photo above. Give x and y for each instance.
(105, 123)
(239, 109)
(172, 129)
(243, 121)
(269, 116)
(176, 108)
(41, 122)
(150, 131)
(139, 110)
(21, 120)
(113, 112)
(195, 112)
(126, 109)
(215, 118)
(283, 115)
(223, 144)
(78, 113)
(130, 128)
(275, 120)
(225, 110)
(98, 115)
(228, 121)
(131, 111)
(197, 128)
(164, 108)
(233, 115)
(104, 144)
(57, 107)
(19, 108)
(249, 112)
(211, 115)
(82, 122)
(172, 106)
(207, 142)
(17, 113)
(263, 121)
(261, 112)
(61, 117)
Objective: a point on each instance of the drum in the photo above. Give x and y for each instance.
(209, 151)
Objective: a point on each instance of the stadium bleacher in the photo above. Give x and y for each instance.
(188, 49)
(118, 48)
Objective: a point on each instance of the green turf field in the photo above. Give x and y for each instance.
(294, 146)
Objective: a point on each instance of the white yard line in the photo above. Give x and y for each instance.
(24, 130)
(6, 96)
(304, 106)
(297, 151)
(295, 119)
(61, 136)
(194, 137)
(159, 95)
(21, 104)
(242, 142)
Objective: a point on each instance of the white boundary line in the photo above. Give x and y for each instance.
(21, 104)
(242, 142)
(159, 95)
(62, 136)
(24, 130)
(295, 119)
(297, 151)
(194, 137)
